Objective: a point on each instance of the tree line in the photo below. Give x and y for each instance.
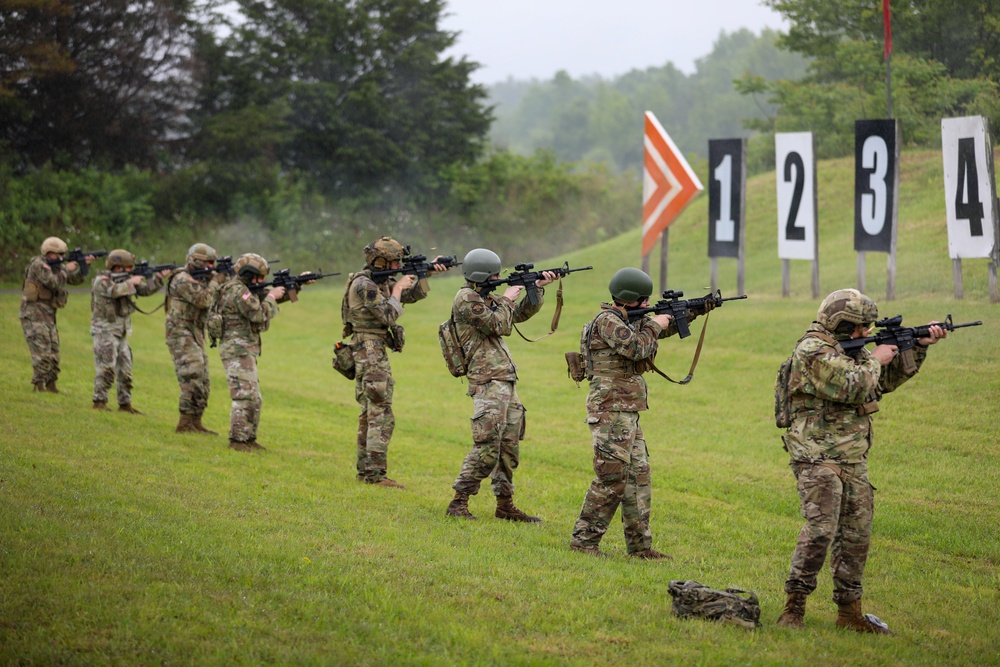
(310, 126)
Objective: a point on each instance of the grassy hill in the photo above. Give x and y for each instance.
(124, 542)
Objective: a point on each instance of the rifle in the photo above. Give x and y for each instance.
(292, 284)
(904, 338)
(523, 276)
(78, 255)
(146, 271)
(415, 265)
(678, 310)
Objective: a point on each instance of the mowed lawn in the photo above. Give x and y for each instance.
(122, 542)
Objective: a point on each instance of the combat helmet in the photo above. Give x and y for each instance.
(200, 253)
(382, 251)
(119, 257)
(845, 308)
(250, 265)
(480, 264)
(628, 285)
(54, 244)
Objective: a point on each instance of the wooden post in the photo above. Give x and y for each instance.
(664, 246)
(956, 275)
(715, 273)
(786, 278)
(862, 270)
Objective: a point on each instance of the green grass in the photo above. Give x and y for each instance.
(124, 542)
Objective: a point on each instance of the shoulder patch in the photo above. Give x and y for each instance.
(246, 295)
(371, 294)
(478, 308)
(623, 333)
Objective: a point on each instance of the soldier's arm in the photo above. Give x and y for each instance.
(477, 313)
(198, 294)
(366, 295)
(149, 285)
(524, 309)
(255, 310)
(838, 377)
(631, 344)
(419, 291)
(45, 275)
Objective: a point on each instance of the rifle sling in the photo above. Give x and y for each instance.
(555, 317)
(694, 362)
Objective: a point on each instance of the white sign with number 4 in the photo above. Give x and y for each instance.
(969, 187)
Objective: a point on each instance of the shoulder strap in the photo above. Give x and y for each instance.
(555, 318)
(694, 362)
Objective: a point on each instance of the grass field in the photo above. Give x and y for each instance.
(122, 542)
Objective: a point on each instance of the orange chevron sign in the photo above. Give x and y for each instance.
(668, 183)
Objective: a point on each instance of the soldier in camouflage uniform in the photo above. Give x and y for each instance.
(111, 308)
(482, 319)
(616, 353)
(244, 317)
(369, 310)
(189, 298)
(833, 395)
(43, 293)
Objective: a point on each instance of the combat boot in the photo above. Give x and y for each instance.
(650, 554)
(849, 616)
(186, 424)
(794, 612)
(590, 551)
(199, 427)
(50, 387)
(459, 507)
(391, 483)
(39, 386)
(100, 405)
(127, 407)
(239, 446)
(507, 510)
(256, 446)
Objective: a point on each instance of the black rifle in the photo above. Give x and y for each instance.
(523, 276)
(904, 338)
(678, 310)
(415, 265)
(223, 265)
(292, 284)
(146, 271)
(78, 255)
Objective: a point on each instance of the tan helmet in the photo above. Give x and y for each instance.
(845, 308)
(249, 265)
(200, 253)
(382, 251)
(122, 258)
(54, 244)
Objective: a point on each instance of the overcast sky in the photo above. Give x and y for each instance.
(537, 38)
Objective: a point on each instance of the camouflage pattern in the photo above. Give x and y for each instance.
(846, 305)
(837, 503)
(498, 417)
(621, 466)
(44, 292)
(613, 351)
(826, 389)
(733, 605)
(244, 317)
(832, 396)
(481, 323)
(497, 428)
(369, 312)
(187, 303)
(111, 308)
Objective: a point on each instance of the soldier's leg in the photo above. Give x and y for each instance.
(241, 376)
(850, 545)
(820, 493)
(509, 455)
(104, 365)
(376, 390)
(489, 420)
(638, 493)
(123, 370)
(611, 435)
(362, 439)
(36, 336)
(53, 373)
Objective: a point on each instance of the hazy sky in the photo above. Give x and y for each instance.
(536, 38)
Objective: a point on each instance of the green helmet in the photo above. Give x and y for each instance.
(121, 258)
(628, 285)
(480, 264)
(845, 308)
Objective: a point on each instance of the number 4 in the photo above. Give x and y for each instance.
(971, 208)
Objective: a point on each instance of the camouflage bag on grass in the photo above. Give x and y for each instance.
(733, 605)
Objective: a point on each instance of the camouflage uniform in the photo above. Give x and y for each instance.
(832, 397)
(111, 308)
(498, 419)
(188, 301)
(44, 292)
(615, 352)
(244, 317)
(370, 311)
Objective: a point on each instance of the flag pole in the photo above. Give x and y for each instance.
(888, 56)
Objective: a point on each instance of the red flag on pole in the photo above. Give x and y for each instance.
(888, 29)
